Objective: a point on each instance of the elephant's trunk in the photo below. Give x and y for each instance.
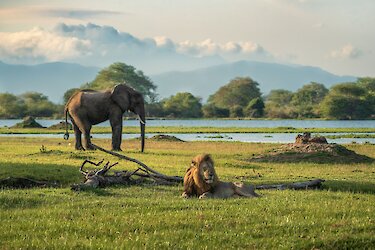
(142, 123)
(142, 136)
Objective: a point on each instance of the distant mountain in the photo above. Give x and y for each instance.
(204, 82)
(51, 79)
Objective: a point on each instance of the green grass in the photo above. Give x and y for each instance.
(340, 216)
(184, 130)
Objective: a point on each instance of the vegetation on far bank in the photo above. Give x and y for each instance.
(240, 98)
(189, 130)
(146, 216)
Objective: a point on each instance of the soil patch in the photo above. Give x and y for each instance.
(28, 122)
(312, 152)
(166, 138)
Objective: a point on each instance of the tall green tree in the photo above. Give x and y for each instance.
(238, 92)
(307, 99)
(255, 108)
(123, 73)
(11, 106)
(38, 105)
(368, 84)
(278, 104)
(183, 105)
(210, 111)
(347, 101)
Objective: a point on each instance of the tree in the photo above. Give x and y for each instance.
(183, 105)
(278, 104)
(236, 111)
(122, 73)
(255, 108)
(38, 105)
(11, 106)
(306, 100)
(238, 92)
(210, 110)
(347, 101)
(368, 84)
(154, 109)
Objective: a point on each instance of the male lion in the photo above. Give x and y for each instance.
(201, 180)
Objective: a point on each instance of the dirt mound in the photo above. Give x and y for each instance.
(166, 138)
(312, 152)
(60, 125)
(28, 122)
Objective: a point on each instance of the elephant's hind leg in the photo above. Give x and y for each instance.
(87, 138)
(77, 134)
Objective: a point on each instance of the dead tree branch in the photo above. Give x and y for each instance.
(147, 169)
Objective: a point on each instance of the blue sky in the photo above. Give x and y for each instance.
(337, 35)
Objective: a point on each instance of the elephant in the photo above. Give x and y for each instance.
(90, 107)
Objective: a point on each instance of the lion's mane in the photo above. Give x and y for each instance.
(194, 184)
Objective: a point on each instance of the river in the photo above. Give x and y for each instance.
(230, 123)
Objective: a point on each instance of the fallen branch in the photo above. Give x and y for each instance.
(152, 172)
(312, 184)
(100, 178)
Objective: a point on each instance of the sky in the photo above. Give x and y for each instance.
(158, 36)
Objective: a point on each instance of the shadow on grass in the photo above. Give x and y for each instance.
(12, 202)
(60, 175)
(351, 242)
(95, 191)
(349, 186)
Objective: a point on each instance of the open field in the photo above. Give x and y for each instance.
(147, 216)
(181, 130)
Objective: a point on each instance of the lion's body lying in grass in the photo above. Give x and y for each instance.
(201, 180)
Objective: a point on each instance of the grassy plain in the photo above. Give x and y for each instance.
(340, 216)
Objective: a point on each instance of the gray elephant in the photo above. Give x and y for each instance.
(89, 107)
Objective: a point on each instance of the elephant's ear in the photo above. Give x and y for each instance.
(120, 95)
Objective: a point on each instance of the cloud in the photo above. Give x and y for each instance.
(39, 45)
(97, 45)
(348, 51)
(79, 14)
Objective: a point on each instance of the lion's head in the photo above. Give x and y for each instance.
(201, 176)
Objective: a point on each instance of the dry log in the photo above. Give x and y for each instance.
(100, 178)
(152, 173)
(312, 184)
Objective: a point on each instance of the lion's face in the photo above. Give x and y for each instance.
(205, 167)
(207, 171)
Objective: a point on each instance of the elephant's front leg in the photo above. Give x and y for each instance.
(116, 125)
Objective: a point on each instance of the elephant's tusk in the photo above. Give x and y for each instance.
(141, 121)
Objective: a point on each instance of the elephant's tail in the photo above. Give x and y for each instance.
(66, 135)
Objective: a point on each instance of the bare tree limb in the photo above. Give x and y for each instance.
(144, 166)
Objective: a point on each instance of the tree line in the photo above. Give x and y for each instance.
(239, 98)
